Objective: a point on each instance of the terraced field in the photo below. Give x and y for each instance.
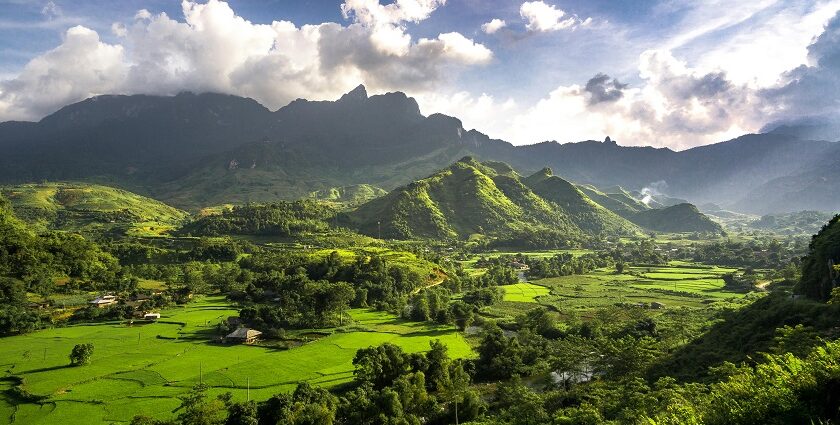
(141, 369)
(677, 284)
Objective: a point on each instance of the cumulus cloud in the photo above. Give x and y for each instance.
(80, 66)
(493, 26)
(542, 17)
(214, 49)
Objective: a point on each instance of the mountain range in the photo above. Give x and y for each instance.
(193, 150)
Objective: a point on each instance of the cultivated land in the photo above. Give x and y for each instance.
(677, 284)
(141, 369)
(524, 292)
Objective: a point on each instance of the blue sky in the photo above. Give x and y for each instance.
(676, 73)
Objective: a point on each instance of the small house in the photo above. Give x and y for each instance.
(243, 336)
(519, 266)
(151, 317)
(104, 301)
(657, 305)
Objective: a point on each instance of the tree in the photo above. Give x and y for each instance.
(243, 414)
(454, 388)
(197, 409)
(380, 365)
(499, 357)
(81, 354)
(463, 314)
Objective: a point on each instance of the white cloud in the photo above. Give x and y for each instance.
(675, 106)
(80, 67)
(456, 46)
(213, 49)
(542, 17)
(738, 37)
(493, 26)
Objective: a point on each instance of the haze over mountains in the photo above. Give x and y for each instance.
(202, 149)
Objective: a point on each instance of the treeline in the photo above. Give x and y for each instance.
(289, 290)
(767, 253)
(274, 219)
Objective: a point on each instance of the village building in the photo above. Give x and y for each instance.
(151, 316)
(243, 336)
(104, 301)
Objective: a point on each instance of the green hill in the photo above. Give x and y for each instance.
(615, 199)
(353, 194)
(490, 199)
(280, 218)
(91, 209)
(677, 218)
(583, 211)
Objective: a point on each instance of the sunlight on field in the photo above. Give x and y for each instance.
(141, 369)
(524, 292)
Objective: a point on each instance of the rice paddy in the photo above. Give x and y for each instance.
(141, 369)
(524, 292)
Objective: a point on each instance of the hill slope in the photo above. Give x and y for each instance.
(90, 209)
(818, 279)
(463, 199)
(583, 211)
(677, 218)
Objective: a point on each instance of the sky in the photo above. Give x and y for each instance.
(664, 73)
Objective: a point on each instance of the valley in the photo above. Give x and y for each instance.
(471, 266)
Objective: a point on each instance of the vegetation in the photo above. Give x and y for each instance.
(677, 218)
(92, 210)
(607, 326)
(819, 276)
(275, 219)
(81, 354)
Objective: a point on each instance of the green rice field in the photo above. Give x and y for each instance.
(524, 292)
(674, 285)
(141, 369)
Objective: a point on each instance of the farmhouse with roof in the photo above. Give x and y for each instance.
(243, 336)
(104, 301)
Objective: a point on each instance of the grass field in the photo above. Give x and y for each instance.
(524, 292)
(677, 284)
(141, 369)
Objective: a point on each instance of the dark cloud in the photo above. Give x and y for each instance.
(811, 94)
(602, 88)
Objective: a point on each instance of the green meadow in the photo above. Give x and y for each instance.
(142, 368)
(524, 292)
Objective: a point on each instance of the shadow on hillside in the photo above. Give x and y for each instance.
(743, 333)
(46, 369)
